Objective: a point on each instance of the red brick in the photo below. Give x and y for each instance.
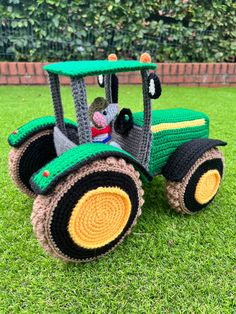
(12, 68)
(41, 80)
(190, 84)
(173, 68)
(30, 68)
(179, 79)
(210, 68)
(195, 68)
(232, 85)
(3, 80)
(220, 79)
(26, 80)
(181, 68)
(134, 79)
(203, 68)
(170, 73)
(13, 80)
(170, 79)
(123, 79)
(188, 68)
(21, 69)
(38, 68)
(64, 80)
(198, 78)
(214, 85)
(4, 69)
(160, 68)
(166, 69)
(207, 79)
(231, 68)
(161, 77)
(217, 68)
(188, 79)
(90, 80)
(224, 67)
(231, 79)
(33, 80)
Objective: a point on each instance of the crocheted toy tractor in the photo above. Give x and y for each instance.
(89, 195)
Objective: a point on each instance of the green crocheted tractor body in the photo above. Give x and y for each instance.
(27, 130)
(74, 159)
(172, 128)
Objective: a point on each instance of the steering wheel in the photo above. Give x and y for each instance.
(124, 122)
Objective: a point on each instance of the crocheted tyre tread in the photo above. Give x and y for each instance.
(185, 197)
(30, 157)
(76, 221)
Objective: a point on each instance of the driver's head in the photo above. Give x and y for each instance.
(96, 110)
(101, 114)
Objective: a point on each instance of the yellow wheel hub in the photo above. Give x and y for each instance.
(99, 217)
(207, 186)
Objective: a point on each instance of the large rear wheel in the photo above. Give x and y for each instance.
(30, 157)
(90, 212)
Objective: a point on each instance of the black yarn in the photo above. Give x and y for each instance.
(37, 154)
(114, 88)
(72, 134)
(122, 126)
(157, 85)
(185, 157)
(189, 199)
(63, 210)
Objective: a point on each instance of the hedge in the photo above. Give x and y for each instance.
(180, 30)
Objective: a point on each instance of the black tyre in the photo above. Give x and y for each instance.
(200, 185)
(30, 157)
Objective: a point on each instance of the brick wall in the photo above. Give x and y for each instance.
(184, 74)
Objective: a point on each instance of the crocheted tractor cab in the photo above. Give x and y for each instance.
(88, 191)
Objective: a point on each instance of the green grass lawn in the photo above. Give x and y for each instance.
(169, 263)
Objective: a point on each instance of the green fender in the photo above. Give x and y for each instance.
(47, 177)
(23, 133)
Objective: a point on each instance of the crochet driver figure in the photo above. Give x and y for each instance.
(101, 115)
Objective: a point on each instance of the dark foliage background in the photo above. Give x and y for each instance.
(180, 30)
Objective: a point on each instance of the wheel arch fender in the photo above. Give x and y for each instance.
(23, 133)
(185, 156)
(44, 180)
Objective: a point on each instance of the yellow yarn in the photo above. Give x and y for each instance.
(177, 125)
(99, 217)
(207, 186)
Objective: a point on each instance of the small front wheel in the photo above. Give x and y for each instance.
(200, 185)
(90, 212)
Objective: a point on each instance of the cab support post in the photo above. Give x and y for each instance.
(81, 108)
(108, 89)
(146, 140)
(57, 103)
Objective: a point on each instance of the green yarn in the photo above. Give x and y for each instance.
(96, 67)
(164, 143)
(33, 127)
(169, 116)
(75, 158)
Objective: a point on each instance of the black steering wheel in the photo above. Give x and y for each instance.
(124, 122)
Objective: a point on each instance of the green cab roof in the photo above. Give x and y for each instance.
(96, 67)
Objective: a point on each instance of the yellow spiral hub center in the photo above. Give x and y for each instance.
(207, 186)
(99, 217)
